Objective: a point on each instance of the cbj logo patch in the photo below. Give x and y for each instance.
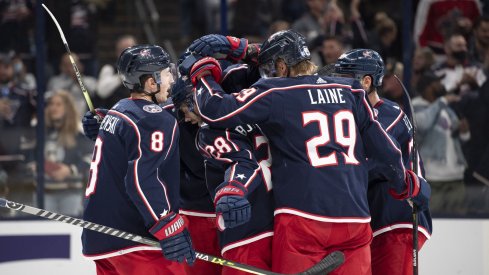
(153, 108)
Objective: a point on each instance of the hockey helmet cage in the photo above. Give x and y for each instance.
(361, 62)
(137, 61)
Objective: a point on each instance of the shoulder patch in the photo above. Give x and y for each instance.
(153, 108)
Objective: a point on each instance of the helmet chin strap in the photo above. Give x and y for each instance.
(153, 94)
(371, 90)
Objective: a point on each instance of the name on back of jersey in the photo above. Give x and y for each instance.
(244, 129)
(109, 123)
(326, 96)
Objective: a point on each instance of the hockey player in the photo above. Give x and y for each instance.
(238, 177)
(392, 244)
(196, 202)
(317, 127)
(134, 178)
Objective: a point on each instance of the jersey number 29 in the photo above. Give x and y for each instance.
(345, 140)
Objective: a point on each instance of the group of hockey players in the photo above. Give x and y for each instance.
(256, 158)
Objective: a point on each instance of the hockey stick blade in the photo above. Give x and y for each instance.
(326, 265)
(73, 63)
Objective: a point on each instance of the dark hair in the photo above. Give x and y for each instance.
(425, 80)
(479, 20)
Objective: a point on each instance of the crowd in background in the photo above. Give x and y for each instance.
(448, 84)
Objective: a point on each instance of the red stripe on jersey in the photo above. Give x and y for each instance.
(279, 89)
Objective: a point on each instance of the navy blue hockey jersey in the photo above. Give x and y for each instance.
(134, 175)
(194, 196)
(388, 213)
(240, 154)
(321, 130)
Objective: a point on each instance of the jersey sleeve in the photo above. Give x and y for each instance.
(378, 144)
(152, 146)
(219, 109)
(233, 152)
(238, 77)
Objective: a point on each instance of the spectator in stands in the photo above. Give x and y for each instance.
(67, 155)
(423, 61)
(109, 86)
(16, 25)
(17, 108)
(22, 76)
(474, 106)
(480, 41)
(67, 80)
(439, 139)
(263, 12)
(435, 19)
(322, 18)
(459, 74)
(383, 36)
(328, 50)
(79, 20)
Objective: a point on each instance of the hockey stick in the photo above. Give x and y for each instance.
(73, 63)
(326, 265)
(414, 158)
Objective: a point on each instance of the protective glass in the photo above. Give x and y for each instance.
(173, 73)
(358, 77)
(267, 70)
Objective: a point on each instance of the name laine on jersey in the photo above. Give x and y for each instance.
(324, 96)
(109, 123)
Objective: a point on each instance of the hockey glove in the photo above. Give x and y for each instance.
(174, 238)
(91, 122)
(422, 200)
(206, 66)
(186, 61)
(232, 208)
(220, 47)
(419, 193)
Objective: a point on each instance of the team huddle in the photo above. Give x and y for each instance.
(245, 151)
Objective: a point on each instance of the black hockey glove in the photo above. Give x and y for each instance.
(220, 47)
(232, 208)
(174, 238)
(91, 122)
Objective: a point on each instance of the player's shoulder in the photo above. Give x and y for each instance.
(389, 106)
(144, 113)
(235, 68)
(306, 80)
